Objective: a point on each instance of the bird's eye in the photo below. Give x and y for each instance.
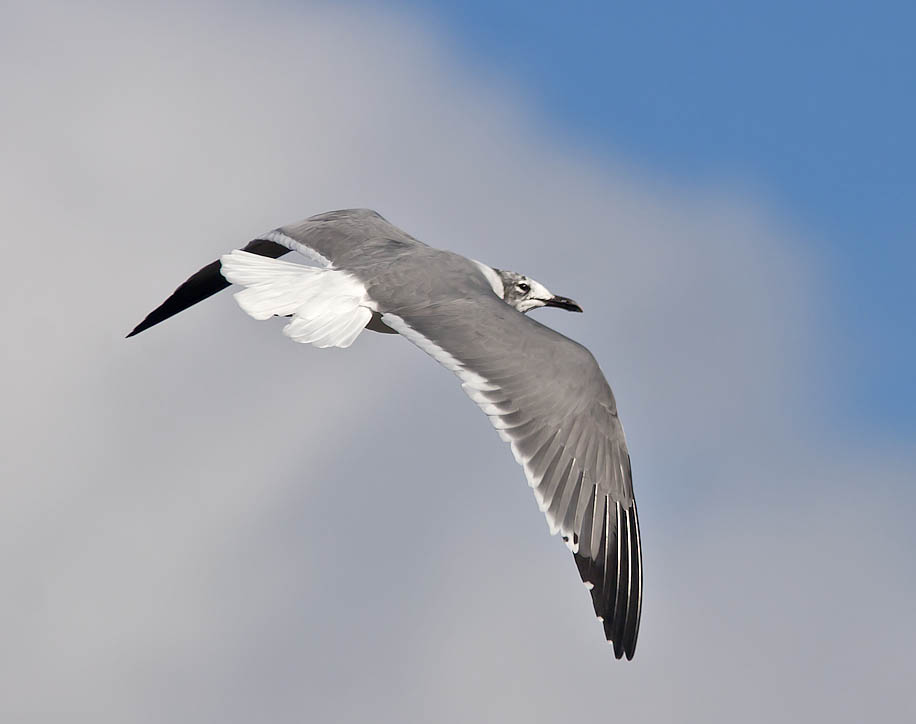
(523, 288)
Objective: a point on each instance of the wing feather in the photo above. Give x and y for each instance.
(554, 407)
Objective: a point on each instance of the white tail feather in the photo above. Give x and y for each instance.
(329, 307)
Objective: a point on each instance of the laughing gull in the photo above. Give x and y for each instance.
(543, 392)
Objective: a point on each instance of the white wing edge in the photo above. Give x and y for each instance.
(279, 237)
(474, 386)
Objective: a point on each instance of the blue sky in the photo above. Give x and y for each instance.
(810, 106)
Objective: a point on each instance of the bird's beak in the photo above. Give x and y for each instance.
(563, 303)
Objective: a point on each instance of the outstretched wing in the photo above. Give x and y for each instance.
(204, 283)
(548, 399)
(335, 239)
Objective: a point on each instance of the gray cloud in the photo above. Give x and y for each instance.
(208, 523)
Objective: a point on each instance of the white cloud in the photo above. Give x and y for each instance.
(208, 523)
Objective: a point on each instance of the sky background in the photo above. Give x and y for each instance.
(805, 106)
(208, 523)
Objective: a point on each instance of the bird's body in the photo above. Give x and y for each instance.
(543, 392)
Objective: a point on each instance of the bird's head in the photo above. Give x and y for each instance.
(526, 294)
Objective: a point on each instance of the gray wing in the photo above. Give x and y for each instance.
(343, 238)
(548, 399)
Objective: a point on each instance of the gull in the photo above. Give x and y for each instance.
(543, 392)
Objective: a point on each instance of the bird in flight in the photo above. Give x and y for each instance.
(543, 392)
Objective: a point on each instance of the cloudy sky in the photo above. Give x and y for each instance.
(208, 523)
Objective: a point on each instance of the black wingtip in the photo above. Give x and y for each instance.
(615, 576)
(634, 611)
(205, 283)
(148, 322)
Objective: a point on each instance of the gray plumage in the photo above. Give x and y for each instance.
(543, 391)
